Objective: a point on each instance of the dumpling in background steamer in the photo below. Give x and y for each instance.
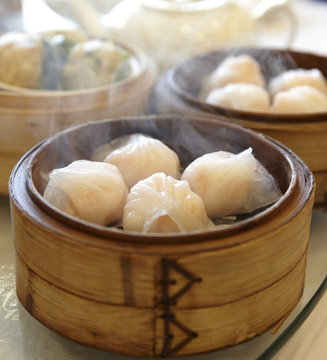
(299, 100)
(240, 96)
(94, 63)
(91, 191)
(57, 45)
(21, 57)
(138, 156)
(298, 77)
(231, 184)
(162, 204)
(236, 69)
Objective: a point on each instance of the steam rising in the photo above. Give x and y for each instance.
(190, 139)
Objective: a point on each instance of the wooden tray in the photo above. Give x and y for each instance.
(162, 295)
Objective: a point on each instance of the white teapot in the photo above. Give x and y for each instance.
(170, 30)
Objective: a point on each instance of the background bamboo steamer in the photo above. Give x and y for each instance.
(160, 295)
(29, 116)
(178, 89)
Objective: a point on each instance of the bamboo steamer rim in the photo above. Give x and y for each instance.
(262, 117)
(142, 61)
(295, 164)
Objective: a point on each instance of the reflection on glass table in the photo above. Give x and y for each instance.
(21, 336)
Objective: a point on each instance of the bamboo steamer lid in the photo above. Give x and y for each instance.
(29, 116)
(178, 90)
(160, 295)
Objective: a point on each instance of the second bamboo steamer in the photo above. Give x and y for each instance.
(178, 90)
(29, 116)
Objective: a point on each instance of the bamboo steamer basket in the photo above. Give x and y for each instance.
(154, 295)
(178, 90)
(29, 116)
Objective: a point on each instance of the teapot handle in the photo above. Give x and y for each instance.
(83, 12)
(269, 8)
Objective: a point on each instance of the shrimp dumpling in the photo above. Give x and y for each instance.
(231, 184)
(162, 204)
(240, 96)
(237, 69)
(298, 77)
(91, 191)
(299, 100)
(138, 156)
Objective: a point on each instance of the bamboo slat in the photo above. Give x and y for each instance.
(140, 331)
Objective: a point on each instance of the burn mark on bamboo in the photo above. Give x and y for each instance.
(126, 268)
(166, 266)
(168, 301)
(29, 299)
(325, 201)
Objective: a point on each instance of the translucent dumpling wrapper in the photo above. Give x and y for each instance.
(231, 184)
(240, 96)
(161, 204)
(91, 191)
(20, 59)
(298, 77)
(236, 69)
(299, 100)
(138, 156)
